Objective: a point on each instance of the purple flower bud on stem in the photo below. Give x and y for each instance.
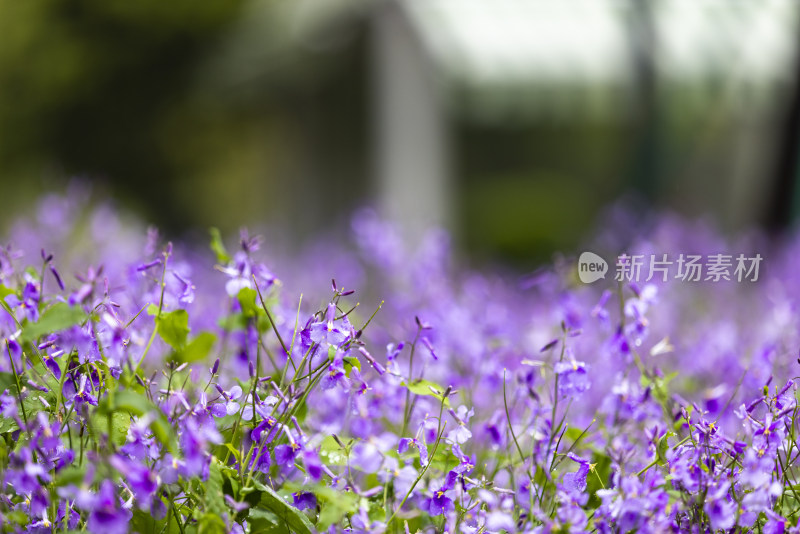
(146, 266)
(55, 274)
(367, 356)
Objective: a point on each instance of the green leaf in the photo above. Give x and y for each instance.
(5, 291)
(247, 300)
(331, 452)
(120, 422)
(197, 349)
(174, 328)
(218, 247)
(17, 517)
(8, 425)
(266, 521)
(423, 387)
(8, 382)
(72, 474)
(145, 523)
(443, 459)
(33, 404)
(234, 321)
(662, 448)
(334, 505)
(210, 523)
(233, 450)
(129, 402)
(349, 363)
(57, 317)
(573, 433)
(214, 498)
(601, 473)
(293, 517)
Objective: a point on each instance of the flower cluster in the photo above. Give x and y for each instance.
(146, 387)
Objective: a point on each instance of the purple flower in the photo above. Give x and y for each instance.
(441, 501)
(198, 433)
(572, 378)
(312, 464)
(140, 444)
(575, 483)
(51, 363)
(335, 375)
(83, 292)
(170, 468)
(107, 515)
(47, 434)
(267, 425)
(140, 479)
(231, 397)
(462, 433)
(775, 524)
(261, 459)
(82, 396)
(241, 272)
(375, 365)
(769, 437)
(8, 405)
(327, 332)
(186, 291)
(24, 474)
(215, 409)
(286, 454)
(14, 349)
(427, 342)
(304, 500)
(408, 443)
(43, 525)
(361, 523)
(29, 304)
(720, 507)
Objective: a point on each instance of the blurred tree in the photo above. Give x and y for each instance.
(91, 86)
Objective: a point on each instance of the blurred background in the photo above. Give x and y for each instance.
(512, 123)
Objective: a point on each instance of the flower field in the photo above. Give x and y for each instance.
(158, 387)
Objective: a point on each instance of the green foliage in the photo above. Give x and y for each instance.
(662, 448)
(247, 300)
(334, 505)
(173, 327)
(7, 382)
(266, 521)
(196, 350)
(427, 388)
(598, 478)
(144, 523)
(214, 499)
(218, 247)
(120, 422)
(55, 318)
(286, 513)
(5, 291)
(331, 453)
